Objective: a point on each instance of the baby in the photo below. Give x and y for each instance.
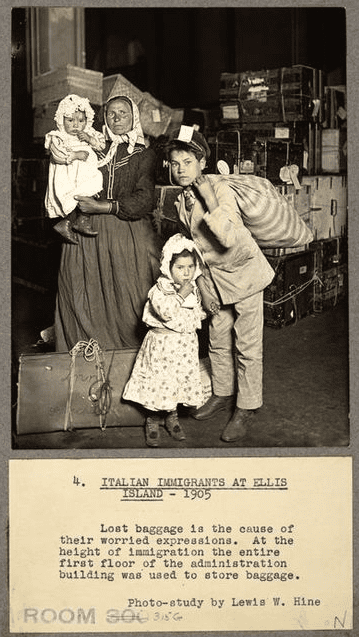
(73, 167)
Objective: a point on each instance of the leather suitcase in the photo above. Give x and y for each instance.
(331, 288)
(331, 265)
(289, 297)
(44, 389)
(59, 392)
(165, 215)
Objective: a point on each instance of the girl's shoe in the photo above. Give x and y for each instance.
(152, 431)
(173, 426)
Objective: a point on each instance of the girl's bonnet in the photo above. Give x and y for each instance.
(175, 245)
(70, 105)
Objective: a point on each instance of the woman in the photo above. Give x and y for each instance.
(104, 280)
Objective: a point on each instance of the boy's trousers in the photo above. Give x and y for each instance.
(236, 351)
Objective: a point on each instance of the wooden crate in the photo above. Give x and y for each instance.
(55, 85)
(334, 150)
(328, 214)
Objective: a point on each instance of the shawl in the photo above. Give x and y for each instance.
(134, 136)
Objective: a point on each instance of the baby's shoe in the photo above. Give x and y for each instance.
(64, 227)
(173, 426)
(152, 431)
(83, 225)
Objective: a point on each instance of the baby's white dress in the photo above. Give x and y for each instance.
(67, 180)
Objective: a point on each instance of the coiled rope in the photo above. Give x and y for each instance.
(100, 391)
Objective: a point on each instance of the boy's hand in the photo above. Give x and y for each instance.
(205, 189)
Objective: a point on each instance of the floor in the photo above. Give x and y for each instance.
(305, 388)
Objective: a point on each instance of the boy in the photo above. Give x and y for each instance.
(231, 287)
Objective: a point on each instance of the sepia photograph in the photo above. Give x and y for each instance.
(179, 228)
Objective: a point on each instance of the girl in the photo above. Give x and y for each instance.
(166, 370)
(73, 168)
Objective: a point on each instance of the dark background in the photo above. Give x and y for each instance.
(178, 54)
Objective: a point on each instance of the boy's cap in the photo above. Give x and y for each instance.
(192, 138)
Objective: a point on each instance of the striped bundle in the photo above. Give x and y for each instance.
(269, 216)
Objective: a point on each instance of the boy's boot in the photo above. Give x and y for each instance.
(64, 227)
(213, 406)
(237, 426)
(82, 224)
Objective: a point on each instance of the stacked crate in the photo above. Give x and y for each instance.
(283, 109)
(51, 87)
(285, 125)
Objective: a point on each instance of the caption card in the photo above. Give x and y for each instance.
(189, 544)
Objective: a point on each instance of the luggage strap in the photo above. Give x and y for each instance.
(91, 351)
(294, 292)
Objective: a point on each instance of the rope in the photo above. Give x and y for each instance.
(102, 396)
(294, 293)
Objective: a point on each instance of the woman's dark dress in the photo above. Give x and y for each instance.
(104, 280)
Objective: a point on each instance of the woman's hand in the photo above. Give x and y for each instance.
(205, 189)
(92, 206)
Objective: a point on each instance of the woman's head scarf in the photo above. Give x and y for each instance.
(175, 245)
(134, 136)
(70, 105)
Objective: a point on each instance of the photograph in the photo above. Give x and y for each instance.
(179, 228)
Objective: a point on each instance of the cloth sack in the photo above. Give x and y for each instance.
(269, 216)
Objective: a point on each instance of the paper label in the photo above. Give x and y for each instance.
(156, 115)
(180, 544)
(185, 134)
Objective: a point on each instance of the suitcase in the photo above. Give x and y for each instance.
(235, 147)
(165, 214)
(57, 391)
(289, 297)
(283, 94)
(330, 253)
(229, 84)
(331, 266)
(272, 156)
(331, 287)
(327, 217)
